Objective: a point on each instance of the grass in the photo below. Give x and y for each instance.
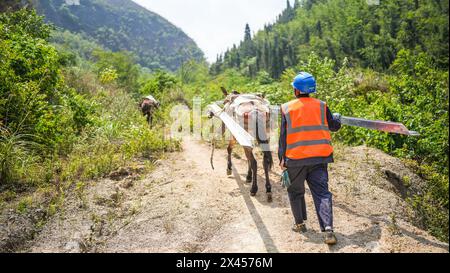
(393, 225)
(17, 161)
(24, 205)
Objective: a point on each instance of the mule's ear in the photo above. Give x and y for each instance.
(236, 92)
(224, 91)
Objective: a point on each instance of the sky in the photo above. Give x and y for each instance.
(215, 25)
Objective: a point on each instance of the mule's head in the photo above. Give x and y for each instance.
(229, 97)
(261, 95)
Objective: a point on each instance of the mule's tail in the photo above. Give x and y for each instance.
(262, 136)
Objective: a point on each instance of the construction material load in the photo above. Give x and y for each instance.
(385, 126)
(239, 133)
(150, 98)
(245, 139)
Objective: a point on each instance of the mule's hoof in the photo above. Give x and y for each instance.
(248, 180)
(269, 197)
(229, 172)
(253, 194)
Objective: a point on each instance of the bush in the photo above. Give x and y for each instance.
(124, 65)
(33, 97)
(158, 83)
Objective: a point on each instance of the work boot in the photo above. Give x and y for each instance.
(330, 238)
(300, 228)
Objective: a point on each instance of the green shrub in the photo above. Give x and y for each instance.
(123, 63)
(158, 83)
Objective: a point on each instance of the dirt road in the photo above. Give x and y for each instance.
(185, 206)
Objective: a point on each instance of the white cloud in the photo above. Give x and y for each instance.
(216, 25)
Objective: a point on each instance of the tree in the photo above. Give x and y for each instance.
(319, 29)
(247, 45)
(123, 63)
(248, 33)
(287, 15)
(308, 4)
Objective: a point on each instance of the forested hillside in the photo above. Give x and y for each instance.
(120, 25)
(12, 4)
(368, 36)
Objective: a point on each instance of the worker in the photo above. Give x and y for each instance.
(305, 150)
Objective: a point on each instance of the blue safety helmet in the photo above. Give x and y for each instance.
(305, 83)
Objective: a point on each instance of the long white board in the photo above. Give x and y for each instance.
(242, 136)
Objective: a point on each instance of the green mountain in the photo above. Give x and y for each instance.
(12, 5)
(123, 25)
(368, 34)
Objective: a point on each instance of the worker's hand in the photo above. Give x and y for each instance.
(337, 116)
(282, 166)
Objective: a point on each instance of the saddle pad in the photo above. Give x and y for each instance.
(247, 103)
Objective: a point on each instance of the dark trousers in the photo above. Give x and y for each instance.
(317, 178)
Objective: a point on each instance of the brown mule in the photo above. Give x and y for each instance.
(148, 106)
(248, 111)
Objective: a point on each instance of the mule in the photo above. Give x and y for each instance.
(249, 108)
(148, 106)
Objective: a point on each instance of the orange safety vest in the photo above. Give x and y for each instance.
(308, 134)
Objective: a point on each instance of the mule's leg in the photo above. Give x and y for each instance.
(254, 167)
(268, 162)
(230, 151)
(249, 173)
(149, 119)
